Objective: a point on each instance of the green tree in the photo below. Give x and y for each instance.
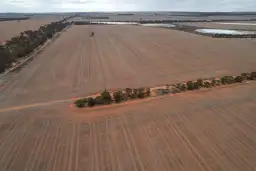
(118, 96)
(253, 75)
(207, 84)
(239, 79)
(128, 92)
(90, 102)
(190, 85)
(148, 92)
(80, 103)
(141, 93)
(183, 87)
(200, 82)
(213, 82)
(105, 95)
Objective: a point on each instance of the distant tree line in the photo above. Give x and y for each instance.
(15, 18)
(22, 45)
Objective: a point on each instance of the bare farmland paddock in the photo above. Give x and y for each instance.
(206, 131)
(9, 29)
(123, 56)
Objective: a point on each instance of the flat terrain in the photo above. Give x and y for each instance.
(9, 29)
(244, 25)
(202, 131)
(123, 56)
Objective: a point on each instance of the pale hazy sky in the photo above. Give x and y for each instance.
(125, 5)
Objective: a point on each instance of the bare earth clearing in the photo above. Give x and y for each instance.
(223, 26)
(123, 56)
(9, 29)
(206, 131)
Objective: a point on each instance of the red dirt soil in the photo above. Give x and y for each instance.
(205, 131)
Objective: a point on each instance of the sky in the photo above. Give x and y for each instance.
(125, 5)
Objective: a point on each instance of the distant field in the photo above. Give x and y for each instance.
(200, 131)
(251, 25)
(9, 29)
(123, 56)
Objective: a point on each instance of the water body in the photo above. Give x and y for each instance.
(242, 24)
(117, 23)
(224, 31)
(158, 25)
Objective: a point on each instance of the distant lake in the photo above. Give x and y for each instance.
(224, 31)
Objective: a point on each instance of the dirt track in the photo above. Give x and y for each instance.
(207, 131)
(123, 56)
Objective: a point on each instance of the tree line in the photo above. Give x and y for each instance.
(106, 98)
(22, 45)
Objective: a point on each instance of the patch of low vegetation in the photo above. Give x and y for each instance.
(106, 98)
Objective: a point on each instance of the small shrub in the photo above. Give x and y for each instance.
(183, 87)
(176, 90)
(218, 82)
(214, 82)
(207, 84)
(106, 97)
(133, 96)
(253, 75)
(135, 92)
(128, 92)
(167, 86)
(162, 91)
(99, 101)
(148, 92)
(227, 80)
(196, 85)
(200, 82)
(190, 85)
(246, 76)
(80, 103)
(90, 102)
(178, 85)
(223, 80)
(118, 96)
(239, 79)
(141, 93)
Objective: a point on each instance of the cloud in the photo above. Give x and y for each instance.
(126, 5)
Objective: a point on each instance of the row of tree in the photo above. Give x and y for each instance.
(22, 45)
(106, 98)
(195, 85)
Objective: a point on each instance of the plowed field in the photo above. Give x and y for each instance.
(123, 56)
(202, 131)
(211, 130)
